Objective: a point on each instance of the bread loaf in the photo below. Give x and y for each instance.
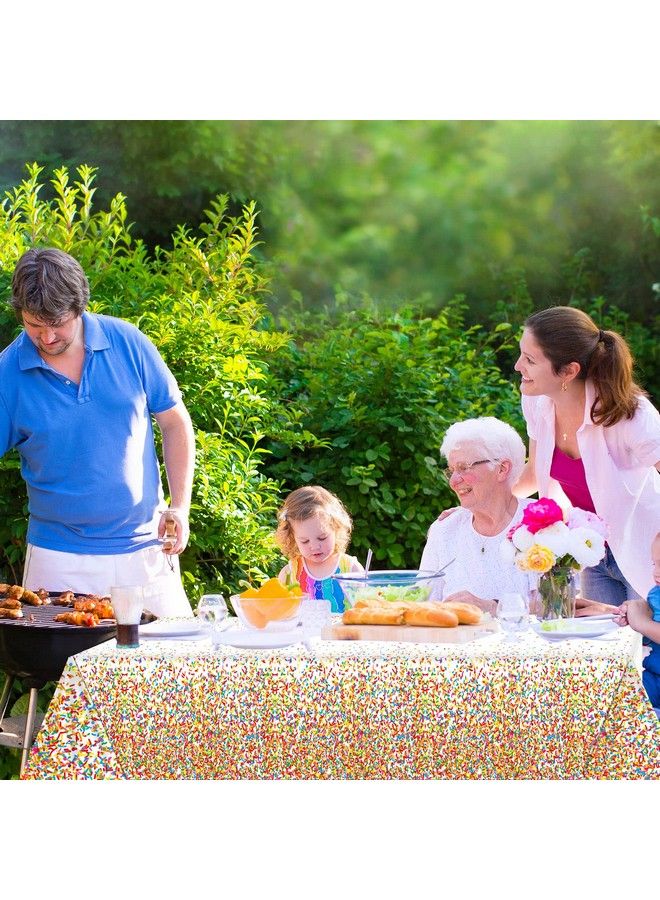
(468, 613)
(372, 615)
(434, 614)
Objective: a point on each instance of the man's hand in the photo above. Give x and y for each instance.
(179, 458)
(178, 518)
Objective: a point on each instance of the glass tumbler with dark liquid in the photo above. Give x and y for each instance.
(127, 603)
(127, 635)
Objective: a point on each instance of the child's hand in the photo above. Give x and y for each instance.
(638, 613)
(447, 512)
(621, 614)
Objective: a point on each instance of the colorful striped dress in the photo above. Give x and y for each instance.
(321, 588)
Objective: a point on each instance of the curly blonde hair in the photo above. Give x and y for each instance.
(312, 502)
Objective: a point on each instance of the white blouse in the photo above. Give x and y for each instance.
(619, 465)
(479, 566)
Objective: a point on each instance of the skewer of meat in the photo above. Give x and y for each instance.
(31, 598)
(6, 613)
(10, 603)
(87, 620)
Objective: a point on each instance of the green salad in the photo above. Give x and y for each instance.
(393, 594)
(566, 625)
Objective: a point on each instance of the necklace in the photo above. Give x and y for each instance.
(499, 526)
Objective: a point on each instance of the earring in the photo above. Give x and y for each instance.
(564, 386)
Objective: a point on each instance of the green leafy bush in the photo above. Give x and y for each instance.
(381, 389)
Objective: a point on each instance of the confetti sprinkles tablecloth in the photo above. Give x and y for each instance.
(487, 709)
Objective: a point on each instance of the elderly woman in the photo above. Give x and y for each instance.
(485, 459)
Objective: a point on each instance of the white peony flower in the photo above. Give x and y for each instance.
(586, 546)
(507, 552)
(522, 539)
(554, 537)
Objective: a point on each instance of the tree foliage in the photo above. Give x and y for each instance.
(403, 211)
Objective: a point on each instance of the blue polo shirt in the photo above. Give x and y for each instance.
(87, 450)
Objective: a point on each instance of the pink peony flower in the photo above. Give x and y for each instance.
(540, 514)
(510, 533)
(582, 518)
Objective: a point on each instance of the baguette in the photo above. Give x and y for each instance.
(468, 613)
(380, 615)
(434, 614)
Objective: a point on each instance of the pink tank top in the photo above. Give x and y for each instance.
(570, 475)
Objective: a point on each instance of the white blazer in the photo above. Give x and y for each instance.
(619, 465)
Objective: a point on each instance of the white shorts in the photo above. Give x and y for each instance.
(92, 574)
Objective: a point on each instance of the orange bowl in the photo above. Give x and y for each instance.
(268, 613)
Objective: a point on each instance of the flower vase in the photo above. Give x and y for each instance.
(557, 590)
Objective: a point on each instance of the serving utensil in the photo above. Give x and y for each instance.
(440, 571)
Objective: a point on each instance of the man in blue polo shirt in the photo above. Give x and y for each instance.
(77, 396)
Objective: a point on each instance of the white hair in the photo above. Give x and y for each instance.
(487, 438)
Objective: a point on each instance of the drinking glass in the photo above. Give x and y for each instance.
(211, 612)
(127, 603)
(513, 615)
(315, 614)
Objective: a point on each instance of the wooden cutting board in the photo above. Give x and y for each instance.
(416, 634)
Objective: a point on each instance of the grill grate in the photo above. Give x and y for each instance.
(37, 617)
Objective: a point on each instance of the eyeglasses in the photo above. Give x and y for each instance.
(464, 469)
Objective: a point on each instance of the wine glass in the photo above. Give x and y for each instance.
(211, 612)
(513, 615)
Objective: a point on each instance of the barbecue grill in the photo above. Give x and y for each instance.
(35, 649)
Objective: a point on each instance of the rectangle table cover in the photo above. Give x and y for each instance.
(352, 710)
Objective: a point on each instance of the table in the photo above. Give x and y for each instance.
(357, 710)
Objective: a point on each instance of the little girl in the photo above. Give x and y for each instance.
(313, 531)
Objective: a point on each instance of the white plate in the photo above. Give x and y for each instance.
(171, 628)
(258, 640)
(577, 629)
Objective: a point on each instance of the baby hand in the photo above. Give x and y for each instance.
(621, 614)
(637, 613)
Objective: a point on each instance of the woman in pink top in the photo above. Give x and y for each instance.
(594, 442)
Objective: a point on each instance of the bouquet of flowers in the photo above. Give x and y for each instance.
(555, 547)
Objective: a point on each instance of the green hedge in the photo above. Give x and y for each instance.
(381, 389)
